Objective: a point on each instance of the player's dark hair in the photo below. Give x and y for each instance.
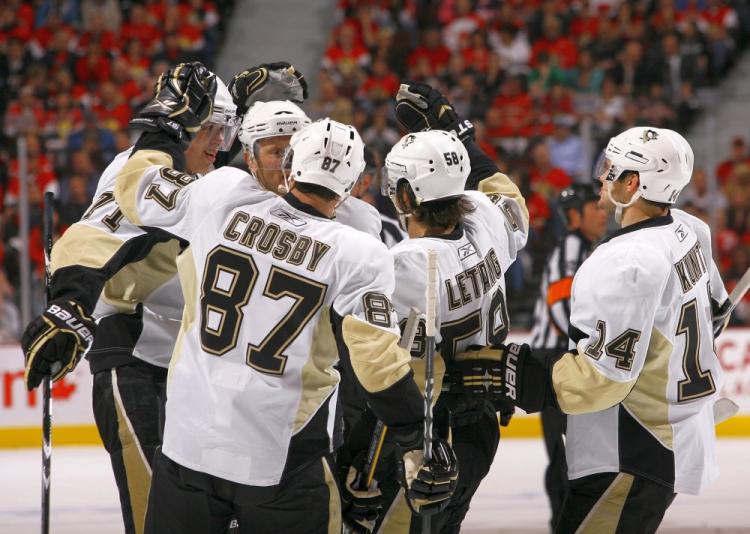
(443, 213)
(315, 189)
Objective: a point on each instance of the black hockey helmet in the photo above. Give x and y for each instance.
(575, 196)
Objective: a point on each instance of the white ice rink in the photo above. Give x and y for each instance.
(511, 499)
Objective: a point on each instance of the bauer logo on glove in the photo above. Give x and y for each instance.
(54, 342)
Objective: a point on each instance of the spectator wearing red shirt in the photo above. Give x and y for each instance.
(513, 110)
(555, 45)
(98, 32)
(465, 21)
(737, 155)
(39, 169)
(431, 49)
(136, 57)
(346, 49)
(93, 67)
(111, 108)
(545, 178)
(381, 84)
(477, 54)
(139, 27)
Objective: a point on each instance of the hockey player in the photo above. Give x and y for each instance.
(264, 134)
(640, 386)
(586, 223)
(126, 278)
(272, 287)
(476, 234)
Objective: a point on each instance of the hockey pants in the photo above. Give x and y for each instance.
(184, 501)
(614, 503)
(128, 408)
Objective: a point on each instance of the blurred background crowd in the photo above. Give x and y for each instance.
(545, 82)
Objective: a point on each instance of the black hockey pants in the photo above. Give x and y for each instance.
(614, 503)
(128, 408)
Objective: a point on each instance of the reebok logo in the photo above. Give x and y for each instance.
(511, 364)
(71, 322)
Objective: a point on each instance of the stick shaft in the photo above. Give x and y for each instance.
(430, 315)
(47, 224)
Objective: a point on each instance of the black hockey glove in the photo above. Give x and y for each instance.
(361, 504)
(720, 316)
(419, 107)
(428, 485)
(182, 104)
(266, 82)
(523, 379)
(54, 342)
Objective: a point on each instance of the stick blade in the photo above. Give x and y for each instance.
(724, 409)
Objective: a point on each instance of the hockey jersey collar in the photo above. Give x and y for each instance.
(455, 235)
(662, 220)
(307, 208)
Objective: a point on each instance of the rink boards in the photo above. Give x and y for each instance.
(20, 411)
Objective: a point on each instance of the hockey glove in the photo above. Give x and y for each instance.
(361, 506)
(720, 316)
(419, 107)
(477, 375)
(182, 104)
(54, 342)
(524, 380)
(267, 82)
(428, 485)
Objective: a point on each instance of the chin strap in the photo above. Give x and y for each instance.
(620, 206)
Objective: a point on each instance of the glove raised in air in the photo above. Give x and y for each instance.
(54, 342)
(419, 107)
(182, 103)
(267, 82)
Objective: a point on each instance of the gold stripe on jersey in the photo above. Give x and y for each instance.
(318, 375)
(334, 500)
(84, 246)
(605, 515)
(500, 184)
(135, 282)
(647, 401)
(188, 282)
(376, 358)
(580, 388)
(137, 469)
(129, 177)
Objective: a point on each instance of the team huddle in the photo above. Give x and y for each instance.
(248, 330)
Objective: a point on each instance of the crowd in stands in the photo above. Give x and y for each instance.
(545, 82)
(71, 74)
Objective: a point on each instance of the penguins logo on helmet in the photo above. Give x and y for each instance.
(649, 135)
(409, 140)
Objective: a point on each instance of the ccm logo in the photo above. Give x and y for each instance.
(511, 364)
(70, 321)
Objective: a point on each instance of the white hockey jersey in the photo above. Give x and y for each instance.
(101, 241)
(272, 289)
(642, 385)
(472, 262)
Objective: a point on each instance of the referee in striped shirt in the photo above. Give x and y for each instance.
(585, 223)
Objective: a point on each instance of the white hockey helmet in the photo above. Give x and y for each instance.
(271, 119)
(326, 153)
(434, 163)
(225, 115)
(662, 158)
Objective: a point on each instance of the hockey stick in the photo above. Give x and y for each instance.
(735, 297)
(378, 434)
(430, 316)
(46, 391)
(725, 408)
